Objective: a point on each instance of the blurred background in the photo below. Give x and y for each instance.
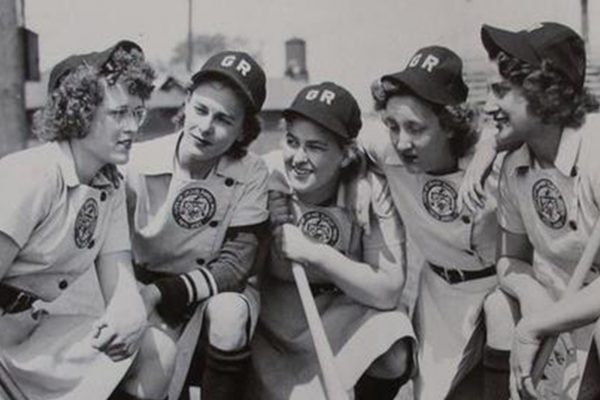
(351, 42)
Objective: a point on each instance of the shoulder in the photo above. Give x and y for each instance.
(277, 177)
(39, 165)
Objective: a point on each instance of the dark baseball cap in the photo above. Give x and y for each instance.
(101, 60)
(547, 40)
(330, 106)
(434, 73)
(241, 69)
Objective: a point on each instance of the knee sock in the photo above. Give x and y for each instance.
(496, 371)
(369, 387)
(225, 373)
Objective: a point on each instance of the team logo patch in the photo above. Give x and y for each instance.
(194, 207)
(549, 203)
(85, 223)
(320, 227)
(439, 199)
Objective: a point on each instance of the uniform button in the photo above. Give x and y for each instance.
(92, 243)
(213, 224)
(228, 182)
(470, 252)
(573, 225)
(200, 261)
(466, 219)
(103, 196)
(62, 285)
(574, 171)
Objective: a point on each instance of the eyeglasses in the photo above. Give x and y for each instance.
(120, 115)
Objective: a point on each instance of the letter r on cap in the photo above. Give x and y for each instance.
(430, 62)
(243, 67)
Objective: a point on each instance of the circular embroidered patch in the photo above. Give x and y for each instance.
(85, 223)
(439, 199)
(549, 203)
(194, 207)
(320, 227)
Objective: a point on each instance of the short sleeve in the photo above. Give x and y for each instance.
(117, 236)
(252, 205)
(27, 197)
(509, 215)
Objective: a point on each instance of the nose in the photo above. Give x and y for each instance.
(300, 156)
(205, 124)
(403, 141)
(491, 106)
(130, 124)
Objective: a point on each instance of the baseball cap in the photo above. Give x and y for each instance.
(433, 73)
(330, 106)
(547, 40)
(101, 60)
(241, 69)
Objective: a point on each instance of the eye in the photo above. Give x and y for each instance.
(200, 109)
(414, 128)
(224, 119)
(500, 89)
(291, 141)
(391, 125)
(316, 147)
(118, 114)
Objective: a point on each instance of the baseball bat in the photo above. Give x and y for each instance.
(577, 279)
(333, 386)
(8, 387)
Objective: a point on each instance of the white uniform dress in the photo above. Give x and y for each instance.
(446, 314)
(283, 353)
(556, 208)
(178, 224)
(61, 226)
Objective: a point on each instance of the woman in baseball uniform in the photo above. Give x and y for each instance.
(423, 158)
(196, 201)
(63, 212)
(356, 277)
(549, 188)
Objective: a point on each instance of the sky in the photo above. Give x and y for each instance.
(351, 42)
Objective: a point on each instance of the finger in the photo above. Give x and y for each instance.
(529, 387)
(514, 392)
(104, 338)
(475, 199)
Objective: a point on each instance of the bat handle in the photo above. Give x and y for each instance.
(331, 382)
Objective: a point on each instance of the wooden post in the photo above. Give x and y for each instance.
(13, 121)
(585, 26)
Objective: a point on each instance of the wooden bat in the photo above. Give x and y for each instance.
(333, 386)
(8, 387)
(577, 279)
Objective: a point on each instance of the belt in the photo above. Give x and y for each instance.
(323, 288)
(13, 300)
(453, 275)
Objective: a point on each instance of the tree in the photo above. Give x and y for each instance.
(205, 45)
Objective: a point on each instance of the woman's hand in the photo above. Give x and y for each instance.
(280, 209)
(524, 349)
(294, 245)
(151, 297)
(471, 193)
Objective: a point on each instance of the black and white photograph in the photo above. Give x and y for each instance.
(299, 200)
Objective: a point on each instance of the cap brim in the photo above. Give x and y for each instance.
(424, 88)
(208, 73)
(514, 44)
(332, 124)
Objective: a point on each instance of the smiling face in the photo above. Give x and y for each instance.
(508, 107)
(416, 134)
(214, 120)
(115, 124)
(313, 159)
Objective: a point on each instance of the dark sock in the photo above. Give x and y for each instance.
(370, 387)
(225, 373)
(496, 370)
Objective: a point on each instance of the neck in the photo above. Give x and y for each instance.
(86, 164)
(321, 195)
(447, 165)
(197, 169)
(544, 143)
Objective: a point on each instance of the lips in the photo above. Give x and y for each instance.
(201, 142)
(408, 158)
(299, 171)
(126, 143)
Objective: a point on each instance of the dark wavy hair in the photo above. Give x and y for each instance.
(251, 126)
(550, 95)
(458, 119)
(71, 107)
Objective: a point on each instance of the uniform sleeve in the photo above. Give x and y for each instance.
(117, 236)
(509, 215)
(25, 202)
(252, 205)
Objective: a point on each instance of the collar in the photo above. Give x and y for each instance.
(66, 163)
(158, 157)
(566, 157)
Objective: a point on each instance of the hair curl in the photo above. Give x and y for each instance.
(251, 126)
(459, 119)
(71, 107)
(550, 95)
